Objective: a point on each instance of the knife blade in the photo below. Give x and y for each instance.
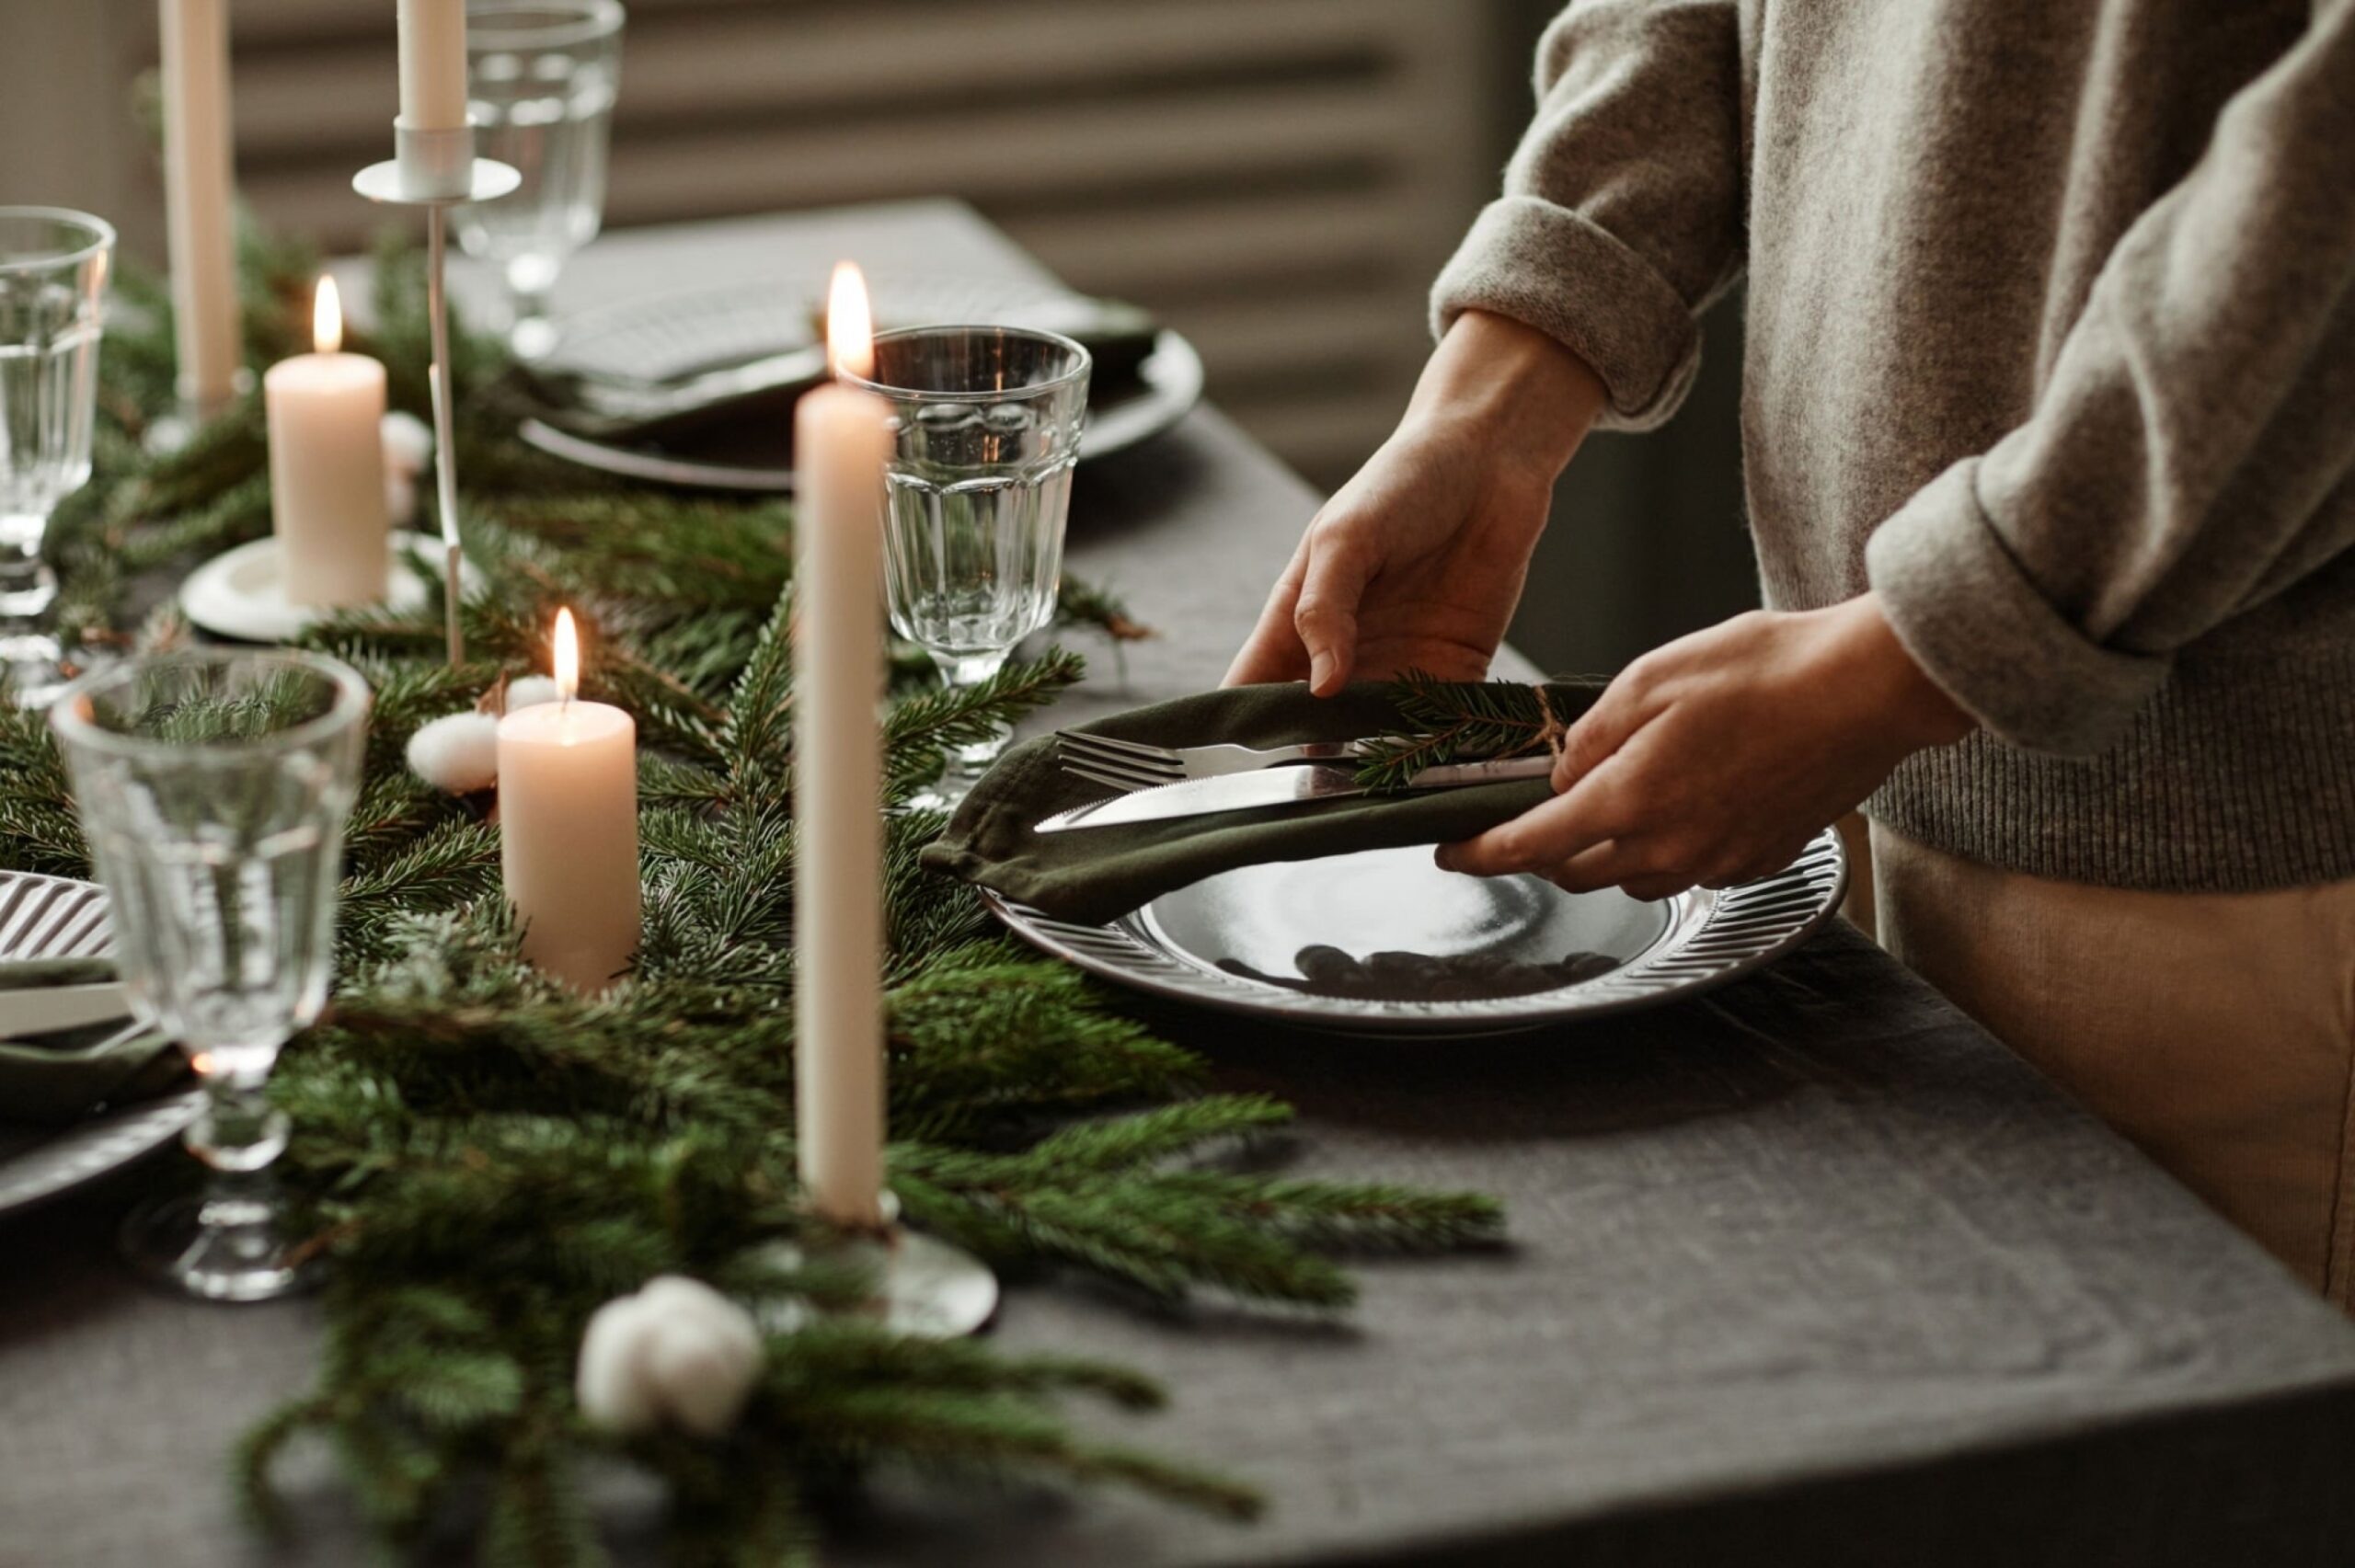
(1273, 786)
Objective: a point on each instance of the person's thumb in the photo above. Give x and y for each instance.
(1326, 613)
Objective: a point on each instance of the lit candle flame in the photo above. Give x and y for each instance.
(567, 656)
(326, 318)
(850, 323)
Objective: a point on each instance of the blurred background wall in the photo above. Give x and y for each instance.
(1278, 179)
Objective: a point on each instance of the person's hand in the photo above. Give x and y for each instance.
(1713, 761)
(1417, 562)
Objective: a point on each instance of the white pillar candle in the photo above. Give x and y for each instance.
(433, 64)
(841, 438)
(327, 467)
(568, 828)
(196, 200)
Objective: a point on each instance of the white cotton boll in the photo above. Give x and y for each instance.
(457, 754)
(702, 1368)
(400, 497)
(529, 692)
(612, 1386)
(408, 443)
(677, 1348)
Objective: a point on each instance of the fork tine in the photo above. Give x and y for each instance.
(1169, 768)
(1135, 749)
(1120, 779)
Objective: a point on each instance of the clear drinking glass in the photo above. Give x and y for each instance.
(985, 424)
(53, 282)
(212, 787)
(542, 75)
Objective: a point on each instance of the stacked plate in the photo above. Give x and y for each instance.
(50, 917)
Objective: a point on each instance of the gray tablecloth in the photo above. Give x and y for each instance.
(1810, 1271)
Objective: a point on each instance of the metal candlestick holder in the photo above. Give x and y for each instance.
(437, 170)
(919, 1285)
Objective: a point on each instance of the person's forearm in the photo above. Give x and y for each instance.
(1525, 397)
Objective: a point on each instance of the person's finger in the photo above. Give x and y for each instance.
(1651, 888)
(1326, 615)
(1606, 865)
(1625, 706)
(1545, 836)
(1273, 651)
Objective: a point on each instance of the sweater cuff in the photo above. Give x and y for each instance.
(1978, 626)
(1548, 267)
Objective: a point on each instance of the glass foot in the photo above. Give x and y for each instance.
(220, 1249)
(37, 668)
(936, 796)
(923, 1288)
(533, 338)
(966, 765)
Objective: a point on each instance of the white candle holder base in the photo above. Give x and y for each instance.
(923, 1288)
(425, 178)
(241, 593)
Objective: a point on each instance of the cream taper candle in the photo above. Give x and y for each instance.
(198, 174)
(433, 63)
(841, 438)
(327, 467)
(568, 828)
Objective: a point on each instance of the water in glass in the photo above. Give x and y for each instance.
(974, 548)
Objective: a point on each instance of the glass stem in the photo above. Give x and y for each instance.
(238, 1135)
(968, 763)
(531, 331)
(28, 588)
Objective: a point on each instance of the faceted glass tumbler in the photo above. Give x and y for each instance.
(985, 427)
(212, 788)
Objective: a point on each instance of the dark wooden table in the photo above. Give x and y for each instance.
(1808, 1271)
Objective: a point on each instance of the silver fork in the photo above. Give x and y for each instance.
(1131, 764)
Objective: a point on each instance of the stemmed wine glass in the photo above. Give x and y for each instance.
(212, 787)
(53, 284)
(542, 75)
(986, 425)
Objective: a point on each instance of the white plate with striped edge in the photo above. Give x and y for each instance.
(51, 916)
(1384, 943)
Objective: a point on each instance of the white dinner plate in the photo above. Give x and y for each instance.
(1383, 941)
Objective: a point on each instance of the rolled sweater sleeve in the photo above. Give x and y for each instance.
(2187, 458)
(1622, 214)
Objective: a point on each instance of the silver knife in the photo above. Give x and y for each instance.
(44, 1011)
(1274, 786)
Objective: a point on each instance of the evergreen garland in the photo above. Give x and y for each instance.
(482, 1157)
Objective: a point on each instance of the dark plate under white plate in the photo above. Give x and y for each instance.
(672, 335)
(51, 916)
(1383, 941)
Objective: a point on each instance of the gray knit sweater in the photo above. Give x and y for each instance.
(2051, 340)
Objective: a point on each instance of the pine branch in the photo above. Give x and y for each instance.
(1456, 721)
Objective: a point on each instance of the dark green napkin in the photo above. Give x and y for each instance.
(1100, 874)
(64, 1075)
